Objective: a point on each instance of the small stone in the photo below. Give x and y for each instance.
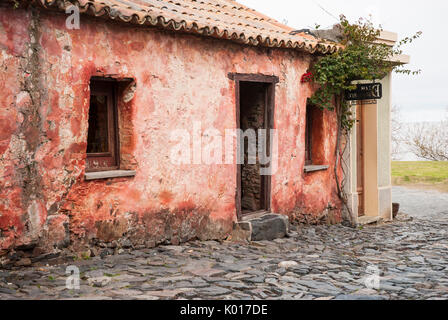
(259, 279)
(24, 262)
(299, 296)
(93, 252)
(112, 244)
(288, 264)
(106, 252)
(419, 260)
(214, 291)
(99, 282)
(126, 244)
(171, 294)
(300, 271)
(150, 244)
(269, 227)
(281, 271)
(356, 297)
(324, 299)
(208, 272)
(6, 291)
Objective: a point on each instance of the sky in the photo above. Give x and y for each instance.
(420, 98)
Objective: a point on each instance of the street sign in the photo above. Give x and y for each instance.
(365, 91)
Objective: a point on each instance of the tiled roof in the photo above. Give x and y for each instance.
(225, 19)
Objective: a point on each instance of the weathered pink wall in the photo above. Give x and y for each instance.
(44, 99)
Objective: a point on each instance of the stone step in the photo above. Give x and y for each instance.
(259, 227)
(364, 221)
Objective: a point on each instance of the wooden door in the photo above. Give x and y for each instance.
(360, 159)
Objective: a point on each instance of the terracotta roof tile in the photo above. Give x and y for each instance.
(226, 19)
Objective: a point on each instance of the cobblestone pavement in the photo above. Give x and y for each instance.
(314, 263)
(421, 203)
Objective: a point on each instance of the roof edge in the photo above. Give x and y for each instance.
(319, 46)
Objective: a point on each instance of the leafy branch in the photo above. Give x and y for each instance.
(362, 57)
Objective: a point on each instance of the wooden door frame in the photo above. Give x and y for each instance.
(271, 81)
(360, 167)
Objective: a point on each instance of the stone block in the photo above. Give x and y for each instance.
(266, 227)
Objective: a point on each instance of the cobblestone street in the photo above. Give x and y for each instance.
(314, 263)
(422, 203)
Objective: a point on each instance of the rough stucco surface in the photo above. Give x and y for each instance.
(384, 135)
(44, 98)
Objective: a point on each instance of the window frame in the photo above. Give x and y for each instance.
(309, 135)
(106, 87)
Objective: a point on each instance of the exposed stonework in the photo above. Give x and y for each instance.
(253, 106)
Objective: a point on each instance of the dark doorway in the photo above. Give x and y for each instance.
(255, 104)
(253, 98)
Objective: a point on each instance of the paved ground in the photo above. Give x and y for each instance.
(324, 263)
(421, 204)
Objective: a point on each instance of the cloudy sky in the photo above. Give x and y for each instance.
(421, 98)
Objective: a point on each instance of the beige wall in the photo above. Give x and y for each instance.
(370, 124)
(384, 151)
(377, 157)
(384, 135)
(377, 149)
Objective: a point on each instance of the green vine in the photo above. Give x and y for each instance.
(362, 58)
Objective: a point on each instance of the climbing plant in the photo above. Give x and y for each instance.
(361, 57)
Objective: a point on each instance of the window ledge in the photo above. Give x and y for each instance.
(109, 174)
(309, 169)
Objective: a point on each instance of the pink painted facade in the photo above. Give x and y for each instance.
(45, 70)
